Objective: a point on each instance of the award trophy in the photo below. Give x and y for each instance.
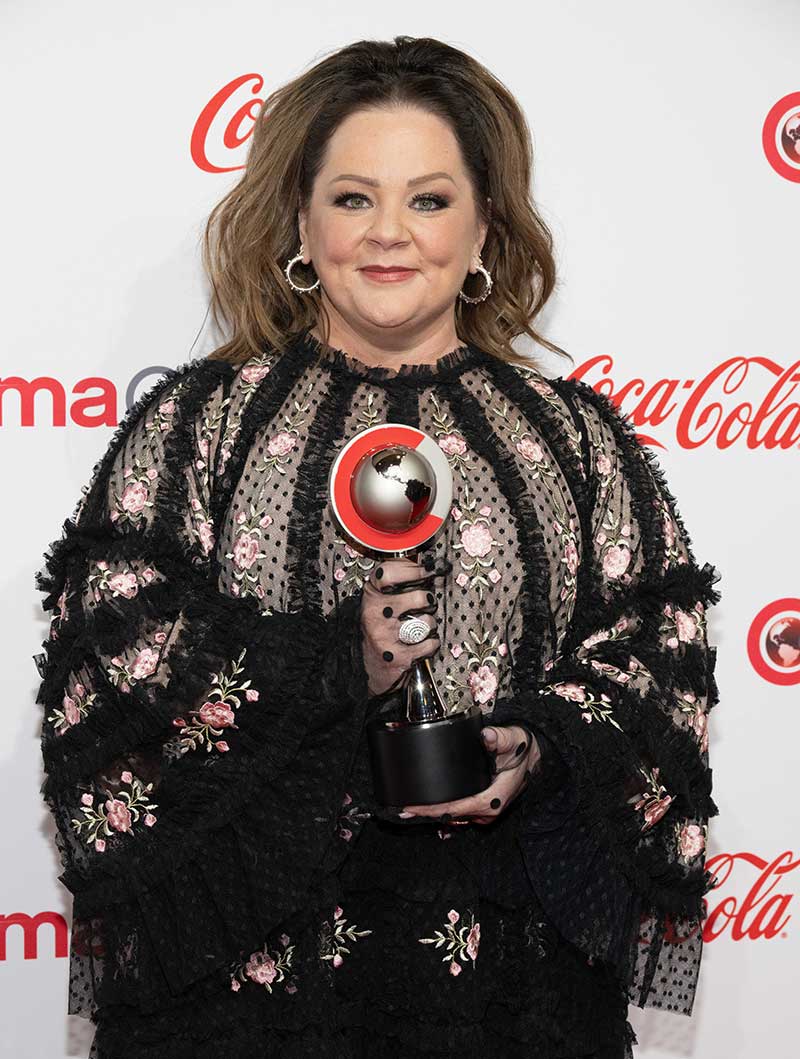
(390, 489)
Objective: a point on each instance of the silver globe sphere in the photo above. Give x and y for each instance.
(393, 489)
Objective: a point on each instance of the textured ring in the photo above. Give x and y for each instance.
(413, 630)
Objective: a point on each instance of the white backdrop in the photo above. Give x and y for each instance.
(676, 213)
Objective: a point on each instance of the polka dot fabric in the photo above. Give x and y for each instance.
(235, 885)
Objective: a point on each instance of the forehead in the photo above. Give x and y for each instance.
(392, 146)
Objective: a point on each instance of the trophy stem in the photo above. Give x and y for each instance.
(423, 701)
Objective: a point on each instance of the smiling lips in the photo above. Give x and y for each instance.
(387, 275)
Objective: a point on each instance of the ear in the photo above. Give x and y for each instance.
(483, 229)
(301, 226)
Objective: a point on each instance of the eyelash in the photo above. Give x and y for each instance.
(440, 200)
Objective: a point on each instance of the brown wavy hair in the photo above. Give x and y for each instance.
(253, 232)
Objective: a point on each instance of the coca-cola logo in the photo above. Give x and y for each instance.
(780, 137)
(773, 642)
(700, 417)
(226, 122)
(760, 913)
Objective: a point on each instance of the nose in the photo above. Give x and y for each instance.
(387, 227)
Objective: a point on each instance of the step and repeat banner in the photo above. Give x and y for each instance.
(667, 164)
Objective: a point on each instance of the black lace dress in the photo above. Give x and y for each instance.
(237, 891)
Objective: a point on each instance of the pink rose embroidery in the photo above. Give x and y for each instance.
(482, 683)
(118, 815)
(71, 712)
(245, 551)
(255, 373)
(281, 443)
(615, 561)
(145, 663)
(261, 968)
(573, 692)
(603, 464)
(473, 940)
(124, 584)
(571, 557)
(452, 445)
(686, 625)
(134, 497)
(530, 450)
(477, 539)
(216, 714)
(205, 533)
(691, 840)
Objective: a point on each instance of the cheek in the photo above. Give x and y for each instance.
(341, 242)
(445, 244)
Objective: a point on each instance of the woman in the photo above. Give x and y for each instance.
(217, 646)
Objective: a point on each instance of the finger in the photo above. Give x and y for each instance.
(392, 571)
(487, 803)
(419, 599)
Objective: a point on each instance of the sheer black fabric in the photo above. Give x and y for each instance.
(235, 885)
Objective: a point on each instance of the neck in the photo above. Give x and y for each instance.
(387, 350)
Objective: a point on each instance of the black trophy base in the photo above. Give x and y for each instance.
(431, 762)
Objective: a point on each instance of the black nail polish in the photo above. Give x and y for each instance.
(520, 749)
(446, 816)
(387, 612)
(428, 561)
(431, 597)
(379, 573)
(387, 656)
(495, 803)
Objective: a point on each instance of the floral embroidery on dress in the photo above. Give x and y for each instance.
(161, 421)
(247, 549)
(130, 504)
(115, 814)
(209, 722)
(284, 441)
(333, 940)
(251, 375)
(531, 451)
(689, 704)
(350, 819)
(369, 416)
(267, 968)
(690, 840)
(671, 543)
(449, 438)
(59, 615)
(478, 569)
(591, 707)
(564, 526)
(74, 707)
(683, 626)
(124, 674)
(462, 940)
(615, 550)
(483, 648)
(125, 582)
(655, 801)
(354, 570)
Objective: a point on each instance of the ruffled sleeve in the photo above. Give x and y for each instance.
(195, 746)
(614, 821)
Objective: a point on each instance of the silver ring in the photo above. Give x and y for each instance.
(413, 630)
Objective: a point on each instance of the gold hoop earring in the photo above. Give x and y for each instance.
(287, 273)
(486, 293)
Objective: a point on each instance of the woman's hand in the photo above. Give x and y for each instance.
(509, 741)
(386, 658)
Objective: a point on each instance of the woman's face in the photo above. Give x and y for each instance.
(369, 207)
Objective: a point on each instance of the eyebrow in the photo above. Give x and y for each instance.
(376, 184)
